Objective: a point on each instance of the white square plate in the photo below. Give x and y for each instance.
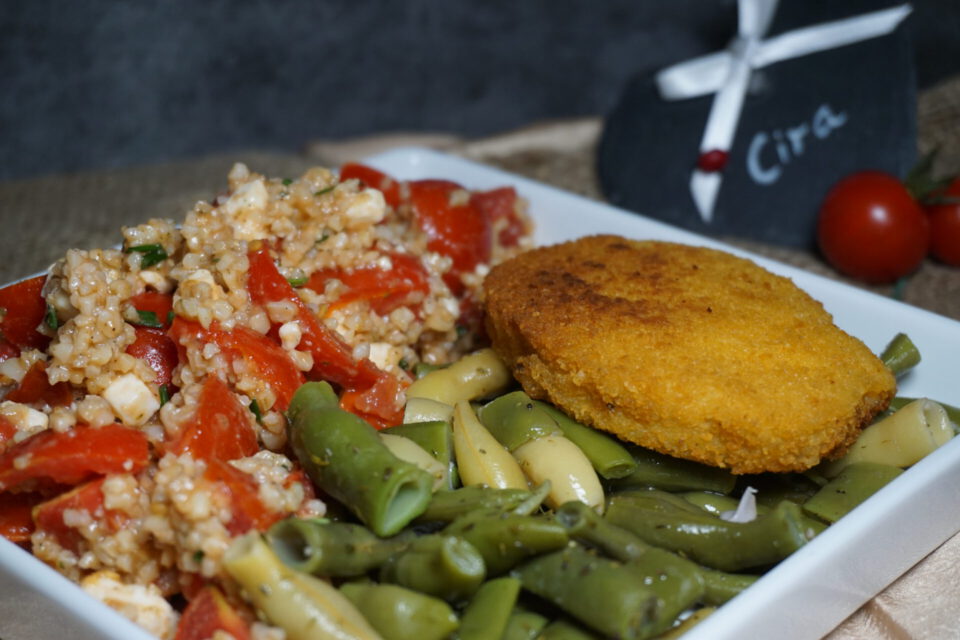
(804, 597)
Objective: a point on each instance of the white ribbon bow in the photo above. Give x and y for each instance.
(727, 73)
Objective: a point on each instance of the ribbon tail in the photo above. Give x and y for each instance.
(830, 35)
(704, 188)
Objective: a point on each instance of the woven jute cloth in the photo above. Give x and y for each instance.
(42, 218)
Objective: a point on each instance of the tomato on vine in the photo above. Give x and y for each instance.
(871, 228)
(944, 213)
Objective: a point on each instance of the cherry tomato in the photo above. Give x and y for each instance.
(36, 387)
(945, 225)
(871, 228)
(159, 352)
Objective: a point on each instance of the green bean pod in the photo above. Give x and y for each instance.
(678, 583)
(563, 629)
(506, 539)
(487, 615)
(673, 474)
(584, 525)
(524, 625)
(610, 458)
(602, 594)
(306, 608)
(515, 420)
(901, 355)
(447, 506)
(444, 566)
(345, 457)
(436, 438)
(658, 519)
(853, 485)
(331, 549)
(401, 614)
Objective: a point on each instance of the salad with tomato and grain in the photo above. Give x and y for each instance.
(142, 423)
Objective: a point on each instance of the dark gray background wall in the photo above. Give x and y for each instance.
(101, 83)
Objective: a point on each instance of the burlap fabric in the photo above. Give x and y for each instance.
(43, 217)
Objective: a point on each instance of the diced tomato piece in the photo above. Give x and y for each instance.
(265, 357)
(36, 387)
(8, 350)
(499, 206)
(249, 512)
(25, 310)
(158, 350)
(208, 612)
(16, 520)
(71, 457)
(375, 179)
(455, 230)
(384, 289)
(7, 431)
(332, 359)
(49, 515)
(221, 428)
(160, 305)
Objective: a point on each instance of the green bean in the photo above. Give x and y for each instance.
(444, 566)
(488, 613)
(602, 594)
(900, 355)
(436, 438)
(658, 519)
(688, 623)
(853, 485)
(673, 474)
(345, 457)
(563, 629)
(524, 625)
(711, 502)
(584, 525)
(447, 506)
(331, 549)
(401, 614)
(772, 488)
(952, 412)
(506, 539)
(515, 420)
(306, 608)
(677, 582)
(610, 458)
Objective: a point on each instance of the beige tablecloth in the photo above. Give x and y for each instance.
(43, 217)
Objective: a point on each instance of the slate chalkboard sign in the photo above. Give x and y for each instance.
(805, 123)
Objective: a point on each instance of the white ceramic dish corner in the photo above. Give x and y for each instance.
(803, 598)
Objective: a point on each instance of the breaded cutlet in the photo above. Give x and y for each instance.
(689, 351)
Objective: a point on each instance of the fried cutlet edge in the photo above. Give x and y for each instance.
(569, 389)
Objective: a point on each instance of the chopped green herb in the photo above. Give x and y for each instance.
(298, 281)
(403, 364)
(287, 182)
(148, 319)
(50, 318)
(325, 190)
(170, 316)
(461, 330)
(324, 237)
(255, 408)
(151, 254)
(198, 556)
(164, 395)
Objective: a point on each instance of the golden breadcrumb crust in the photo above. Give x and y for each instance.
(688, 351)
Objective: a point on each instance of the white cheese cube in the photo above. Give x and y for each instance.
(131, 400)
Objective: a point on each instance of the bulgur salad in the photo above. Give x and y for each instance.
(142, 423)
